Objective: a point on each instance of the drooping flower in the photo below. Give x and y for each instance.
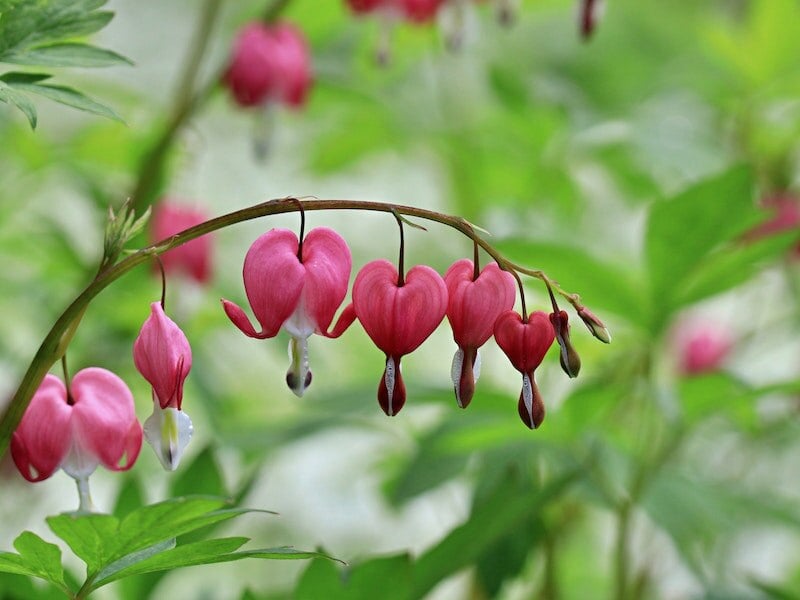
(420, 11)
(91, 424)
(701, 346)
(472, 308)
(525, 343)
(298, 294)
(269, 63)
(589, 13)
(192, 259)
(163, 356)
(398, 315)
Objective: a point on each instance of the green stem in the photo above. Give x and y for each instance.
(185, 102)
(49, 350)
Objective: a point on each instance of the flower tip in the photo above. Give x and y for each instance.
(530, 405)
(294, 383)
(595, 325)
(392, 389)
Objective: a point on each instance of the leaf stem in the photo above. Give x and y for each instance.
(48, 351)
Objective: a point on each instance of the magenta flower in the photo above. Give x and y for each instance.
(270, 63)
(472, 308)
(525, 343)
(163, 356)
(92, 424)
(398, 316)
(701, 347)
(298, 294)
(420, 11)
(192, 259)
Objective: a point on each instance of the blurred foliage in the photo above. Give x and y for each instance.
(630, 168)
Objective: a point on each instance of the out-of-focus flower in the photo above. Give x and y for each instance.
(701, 346)
(568, 357)
(192, 259)
(163, 356)
(785, 216)
(269, 63)
(589, 13)
(472, 308)
(398, 315)
(91, 424)
(525, 343)
(300, 294)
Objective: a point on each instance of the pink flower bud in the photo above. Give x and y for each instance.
(568, 357)
(785, 216)
(192, 259)
(93, 424)
(269, 63)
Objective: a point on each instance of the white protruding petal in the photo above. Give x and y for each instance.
(389, 380)
(80, 462)
(300, 324)
(527, 393)
(455, 374)
(298, 365)
(476, 366)
(168, 431)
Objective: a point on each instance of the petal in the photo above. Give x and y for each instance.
(530, 405)
(525, 344)
(327, 263)
(392, 390)
(103, 420)
(298, 377)
(464, 373)
(374, 293)
(163, 356)
(168, 431)
(239, 318)
(42, 439)
(473, 306)
(273, 279)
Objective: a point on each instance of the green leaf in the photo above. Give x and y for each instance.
(364, 581)
(43, 557)
(20, 100)
(69, 97)
(321, 579)
(202, 476)
(91, 537)
(68, 54)
(501, 513)
(683, 230)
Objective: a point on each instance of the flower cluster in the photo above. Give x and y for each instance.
(298, 284)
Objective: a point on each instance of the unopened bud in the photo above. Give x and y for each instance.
(530, 405)
(568, 357)
(595, 325)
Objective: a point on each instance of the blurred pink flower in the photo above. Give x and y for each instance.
(785, 216)
(701, 347)
(193, 258)
(269, 63)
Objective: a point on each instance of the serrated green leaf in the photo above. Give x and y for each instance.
(20, 100)
(91, 537)
(14, 563)
(69, 97)
(208, 552)
(43, 557)
(69, 54)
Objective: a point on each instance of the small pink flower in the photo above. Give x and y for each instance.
(785, 216)
(398, 317)
(366, 6)
(193, 258)
(701, 347)
(94, 424)
(270, 63)
(525, 344)
(300, 295)
(568, 357)
(163, 356)
(472, 308)
(420, 11)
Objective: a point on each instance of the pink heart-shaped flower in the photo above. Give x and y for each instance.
(525, 344)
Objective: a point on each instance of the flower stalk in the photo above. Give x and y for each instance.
(52, 348)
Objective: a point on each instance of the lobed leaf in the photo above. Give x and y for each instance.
(43, 557)
(69, 97)
(67, 54)
(10, 96)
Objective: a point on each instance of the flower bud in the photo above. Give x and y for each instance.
(595, 325)
(570, 361)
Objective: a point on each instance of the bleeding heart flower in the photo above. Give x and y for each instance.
(701, 346)
(398, 316)
(193, 258)
(568, 357)
(420, 11)
(525, 343)
(163, 356)
(301, 295)
(93, 424)
(472, 308)
(270, 63)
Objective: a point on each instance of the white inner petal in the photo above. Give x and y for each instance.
(168, 431)
(527, 393)
(389, 380)
(79, 462)
(300, 324)
(476, 366)
(298, 365)
(455, 374)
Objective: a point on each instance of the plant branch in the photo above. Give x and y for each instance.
(52, 346)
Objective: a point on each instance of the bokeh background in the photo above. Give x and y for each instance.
(637, 168)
